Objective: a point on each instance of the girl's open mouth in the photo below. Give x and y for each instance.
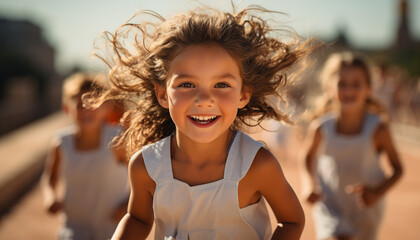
(203, 120)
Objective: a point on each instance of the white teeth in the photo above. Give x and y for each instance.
(204, 118)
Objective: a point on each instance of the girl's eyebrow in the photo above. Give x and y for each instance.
(182, 75)
(226, 75)
(221, 76)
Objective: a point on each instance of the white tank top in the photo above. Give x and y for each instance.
(206, 211)
(95, 184)
(345, 160)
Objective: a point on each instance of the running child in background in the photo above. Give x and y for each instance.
(343, 148)
(198, 79)
(94, 177)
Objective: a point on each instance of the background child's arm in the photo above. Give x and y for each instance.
(50, 180)
(369, 195)
(120, 154)
(271, 183)
(384, 141)
(138, 221)
(310, 150)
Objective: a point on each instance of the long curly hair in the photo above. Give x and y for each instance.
(263, 59)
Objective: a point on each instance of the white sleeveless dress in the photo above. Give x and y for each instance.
(344, 160)
(95, 184)
(207, 211)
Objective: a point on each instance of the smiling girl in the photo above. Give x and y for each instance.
(196, 79)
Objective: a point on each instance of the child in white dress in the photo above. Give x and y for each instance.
(196, 79)
(348, 183)
(94, 177)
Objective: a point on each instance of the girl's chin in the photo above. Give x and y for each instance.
(204, 137)
(351, 108)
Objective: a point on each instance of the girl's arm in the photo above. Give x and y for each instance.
(270, 181)
(382, 140)
(120, 211)
(50, 180)
(311, 148)
(138, 221)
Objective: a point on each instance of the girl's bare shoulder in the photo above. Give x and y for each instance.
(138, 171)
(382, 132)
(137, 161)
(264, 165)
(382, 128)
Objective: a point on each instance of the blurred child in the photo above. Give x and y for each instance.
(347, 181)
(197, 79)
(94, 177)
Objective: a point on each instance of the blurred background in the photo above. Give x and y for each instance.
(44, 41)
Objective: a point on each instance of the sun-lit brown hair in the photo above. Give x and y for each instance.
(329, 75)
(263, 59)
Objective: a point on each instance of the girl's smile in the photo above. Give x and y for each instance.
(203, 121)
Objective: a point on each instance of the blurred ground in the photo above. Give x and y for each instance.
(28, 220)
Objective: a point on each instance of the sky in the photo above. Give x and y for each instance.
(71, 26)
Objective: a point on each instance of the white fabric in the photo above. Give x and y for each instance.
(207, 211)
(95, 184)
(344, 160)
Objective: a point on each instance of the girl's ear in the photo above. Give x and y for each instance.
(161, 96)
(245, 97)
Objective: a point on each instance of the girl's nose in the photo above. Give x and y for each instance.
(203, 99)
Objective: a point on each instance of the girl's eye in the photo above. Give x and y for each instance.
(356, 86)
(186, 85)
(222, 85)
(342, 85)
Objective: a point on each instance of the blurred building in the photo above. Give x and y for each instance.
(404, 40)
(403, 51)
(29, 82)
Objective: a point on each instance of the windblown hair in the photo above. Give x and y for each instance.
(263, 60)
(329, 75)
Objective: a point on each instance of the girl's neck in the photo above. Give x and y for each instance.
(88, 138)
(186, 150)
(350, 123)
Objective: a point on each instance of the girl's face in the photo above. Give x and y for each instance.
(352, 88)
(82, 116)
(203, 92)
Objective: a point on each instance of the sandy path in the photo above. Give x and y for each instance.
(27, 220)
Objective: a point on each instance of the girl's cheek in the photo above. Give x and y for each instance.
(178, 97)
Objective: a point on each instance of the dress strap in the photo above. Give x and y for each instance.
(65, 137)
(327, 125)
(241, 154)
(157, 159)
(371, 123)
